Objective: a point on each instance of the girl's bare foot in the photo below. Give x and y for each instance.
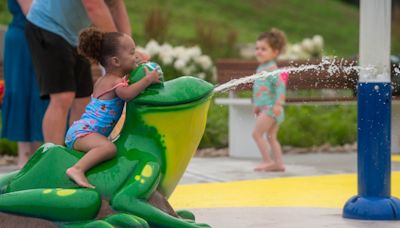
(79, 177)
(264, 165)
(275, 168)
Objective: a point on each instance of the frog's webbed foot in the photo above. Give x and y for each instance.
(185, 214)
(115, 220)
(91, 224)
(154, 216)
(126, 220)
(53, 204)
(133, 199)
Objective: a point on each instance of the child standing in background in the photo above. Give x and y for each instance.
(269, 97)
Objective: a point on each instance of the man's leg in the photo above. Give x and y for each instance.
(78, 108)
(55, 118)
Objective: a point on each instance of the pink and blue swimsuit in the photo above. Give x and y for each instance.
(100, 116)
(268, 91)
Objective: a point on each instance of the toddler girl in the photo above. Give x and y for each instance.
(268, 99)
(115, 51)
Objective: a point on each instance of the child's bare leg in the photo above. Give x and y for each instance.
(276, 149)
(263, 124)
(24, 152)
(98, 148)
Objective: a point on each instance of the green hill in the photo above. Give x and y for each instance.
(336, 21)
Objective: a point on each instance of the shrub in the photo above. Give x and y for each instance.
(207, 36)
(8, 147)
(306, 126)
(216, 133)
(180, 60)
(214, 42)
(306, 49)
(156, 24)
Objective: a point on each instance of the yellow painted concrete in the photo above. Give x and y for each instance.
(330, 191)
(395, 158)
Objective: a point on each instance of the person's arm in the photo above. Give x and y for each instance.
(141, 57)
(120, 16)
(25, 5)
(280, 95)
(280, 90)
(131, 91)
(100, 15)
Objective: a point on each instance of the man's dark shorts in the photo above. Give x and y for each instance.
(58, 66)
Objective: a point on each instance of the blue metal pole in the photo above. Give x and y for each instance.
(373, 201)
(374, 105)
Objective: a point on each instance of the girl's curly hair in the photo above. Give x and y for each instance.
(275, 38)
(98, 46)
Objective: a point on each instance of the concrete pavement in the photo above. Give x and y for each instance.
(226, 192)
(223, 169)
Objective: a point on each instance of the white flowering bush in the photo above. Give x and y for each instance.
(180, 60)
(306, 49)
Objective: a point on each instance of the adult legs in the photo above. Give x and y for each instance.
(78, 108)
(55, 118)
(25, 151)
(98, 149)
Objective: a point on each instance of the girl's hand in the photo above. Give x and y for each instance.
(129, 92)
(277, 109)
(256, 110)
(152, 76)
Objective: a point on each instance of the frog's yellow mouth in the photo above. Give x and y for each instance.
(167, 123)
(181, 131)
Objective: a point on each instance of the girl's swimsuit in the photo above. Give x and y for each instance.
(100, 116)
(268, 91)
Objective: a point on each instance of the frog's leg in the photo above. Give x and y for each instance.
(159, 201)
(132, 198)
(126, 220)
(116, 220)
(6, 179)
(91, 224)
(53, 204)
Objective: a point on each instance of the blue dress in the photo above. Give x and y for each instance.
(22, 110)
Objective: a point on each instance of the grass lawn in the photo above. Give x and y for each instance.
(336, 21)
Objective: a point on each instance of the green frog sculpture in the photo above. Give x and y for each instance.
(162, 130)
